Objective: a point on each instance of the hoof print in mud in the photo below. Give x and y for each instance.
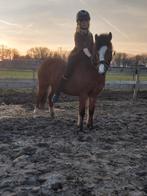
(42, 157)
(57, 186)
(86, 192)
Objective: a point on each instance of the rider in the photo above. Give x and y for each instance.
(83, 46)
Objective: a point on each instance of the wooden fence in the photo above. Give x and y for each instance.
(31, 66)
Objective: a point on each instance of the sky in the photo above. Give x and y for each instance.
(51, 23)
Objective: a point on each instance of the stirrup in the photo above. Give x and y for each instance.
(55, 98)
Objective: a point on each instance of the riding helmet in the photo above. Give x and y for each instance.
(82, 15)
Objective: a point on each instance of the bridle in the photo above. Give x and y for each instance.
(106, 65)
(103, 62)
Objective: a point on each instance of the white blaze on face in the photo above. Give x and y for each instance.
(102, 52)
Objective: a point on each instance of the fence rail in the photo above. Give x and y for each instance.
(31, 84)
(32, 65)
(27, 64)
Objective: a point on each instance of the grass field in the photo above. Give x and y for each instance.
(17, 74)
(128, 77)
(29, 75)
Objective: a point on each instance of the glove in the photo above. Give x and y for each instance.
(86, 52)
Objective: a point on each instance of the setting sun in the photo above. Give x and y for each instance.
(49, 23)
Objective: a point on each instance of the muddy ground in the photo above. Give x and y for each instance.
(44, 157)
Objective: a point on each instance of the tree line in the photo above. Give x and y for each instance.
(32, 53)
(119, 59)
(126, 60)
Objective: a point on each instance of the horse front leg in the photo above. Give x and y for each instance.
(50, 102)
(92, 102)
(82, 105)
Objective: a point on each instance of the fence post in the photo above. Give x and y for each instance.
(137, 82)
(34, 83)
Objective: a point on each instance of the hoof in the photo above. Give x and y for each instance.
(36, 110)
(79, 129)
(90, 126)
(52, 116)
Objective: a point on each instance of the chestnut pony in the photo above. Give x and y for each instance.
(86, 82)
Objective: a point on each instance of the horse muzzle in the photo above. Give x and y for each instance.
(103, 67)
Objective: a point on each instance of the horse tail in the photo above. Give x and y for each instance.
(41, 96)
(48, 76)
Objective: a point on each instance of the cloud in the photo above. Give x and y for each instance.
(9, 23)
(115, 27)
(53, 22)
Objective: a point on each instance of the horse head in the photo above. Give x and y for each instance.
(103, 47)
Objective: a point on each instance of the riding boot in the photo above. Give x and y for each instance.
(65, 78)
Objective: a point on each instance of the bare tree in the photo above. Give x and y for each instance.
(122, 59)
(8, 53)
(38, 52)
(15, 53)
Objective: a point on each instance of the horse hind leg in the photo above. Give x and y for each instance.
(41, 98)
(50, 102)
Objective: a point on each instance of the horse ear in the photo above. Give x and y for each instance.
(96, 36)
(110, 36)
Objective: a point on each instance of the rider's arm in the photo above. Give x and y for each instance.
(83, 44)
(88, 51)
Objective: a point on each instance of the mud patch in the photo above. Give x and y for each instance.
(41, 156)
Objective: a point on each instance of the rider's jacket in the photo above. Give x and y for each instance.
(82, 40)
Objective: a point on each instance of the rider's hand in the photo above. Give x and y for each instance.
(87, 52)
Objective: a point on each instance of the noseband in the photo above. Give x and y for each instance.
(106, 64)
(103, 65)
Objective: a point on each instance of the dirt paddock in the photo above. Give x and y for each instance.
(44, 157)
